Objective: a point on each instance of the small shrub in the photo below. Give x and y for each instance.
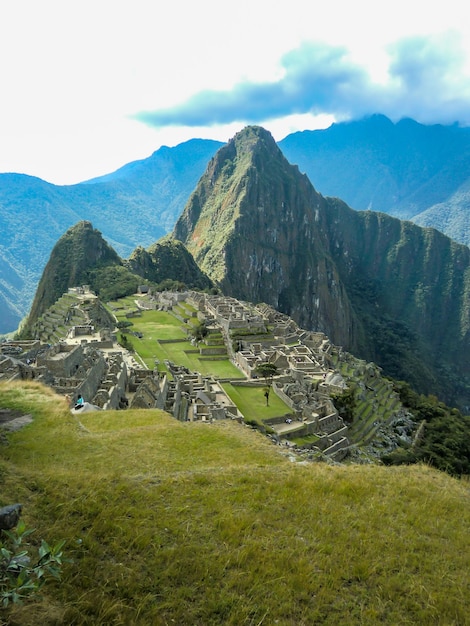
(125, 342)
(399, 456)
(346, 404)
(124, 324)
(22, 572)
(200, 331)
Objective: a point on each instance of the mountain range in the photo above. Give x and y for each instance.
(136, 205)
(409, 170)
(406, 169)
(386, 290)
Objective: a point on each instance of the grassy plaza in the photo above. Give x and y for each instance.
(252, 403)
(165, 337)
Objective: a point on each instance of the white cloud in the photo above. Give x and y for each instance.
(74, 73)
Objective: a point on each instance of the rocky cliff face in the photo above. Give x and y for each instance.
(256, 226)
(385, 289)
(410, 287)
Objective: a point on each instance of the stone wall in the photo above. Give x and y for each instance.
(61, 359)
(117, 373)
(148, 394)
(93, 377)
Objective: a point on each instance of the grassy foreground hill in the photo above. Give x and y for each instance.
(191, 523)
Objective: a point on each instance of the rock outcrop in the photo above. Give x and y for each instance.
(9, 516)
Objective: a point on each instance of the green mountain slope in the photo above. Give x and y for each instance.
(451, 216)
(411, 289)
(167, 260)
(386, 290)
(79, 251)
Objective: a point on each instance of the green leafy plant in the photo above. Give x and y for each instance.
(346, 403)
(124, 324)
(24, 571)
(445, 435)
(267, 371)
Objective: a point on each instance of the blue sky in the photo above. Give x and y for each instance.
(88, 86)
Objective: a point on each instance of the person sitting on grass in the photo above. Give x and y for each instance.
(79, 403)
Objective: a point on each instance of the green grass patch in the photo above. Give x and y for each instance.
(188, 308)
(302, 441)
(178, 310)
(160, 325)
(252, 403)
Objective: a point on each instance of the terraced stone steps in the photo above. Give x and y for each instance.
(54, 324)
(377, 403)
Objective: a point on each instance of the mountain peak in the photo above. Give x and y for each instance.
(253, 135)
(251, 222)
(252, 144)
(238, 177)
(80, 249)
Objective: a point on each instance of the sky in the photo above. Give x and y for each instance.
(88, 86)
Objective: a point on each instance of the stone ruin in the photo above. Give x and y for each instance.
(304, 362)
(72, 369)
(104, 376)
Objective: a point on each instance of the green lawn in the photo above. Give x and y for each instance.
(252, 403)
(159, 325)
(156, 325)
(177, 352)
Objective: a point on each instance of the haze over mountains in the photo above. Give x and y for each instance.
(413, 171)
